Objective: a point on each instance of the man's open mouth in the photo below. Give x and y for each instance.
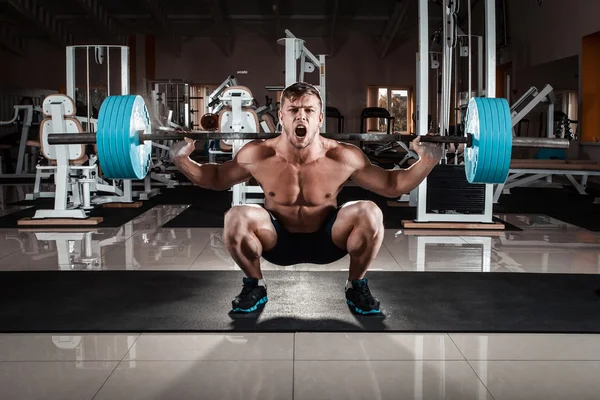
(300, 131)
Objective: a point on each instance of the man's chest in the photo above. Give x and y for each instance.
(311, 184)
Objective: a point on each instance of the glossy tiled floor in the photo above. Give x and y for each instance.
(299, 366)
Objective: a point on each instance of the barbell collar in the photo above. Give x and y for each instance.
(548, 143)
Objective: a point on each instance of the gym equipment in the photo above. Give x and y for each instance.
(294, 51)
(23, 114)
(334, 113)
(488, 124)
(209, 122)
(486, 82)
(128, 114)
(377, 113)
(172, 97)
(124, 138)
(77, 177)
(530, 100)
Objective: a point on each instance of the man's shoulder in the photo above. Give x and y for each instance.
(345, 152)
(255, 150)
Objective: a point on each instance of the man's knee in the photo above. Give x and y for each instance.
(248, 226)
(368, 215)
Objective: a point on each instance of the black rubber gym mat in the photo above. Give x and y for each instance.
(200, 301)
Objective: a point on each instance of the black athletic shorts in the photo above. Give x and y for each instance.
(311, 248)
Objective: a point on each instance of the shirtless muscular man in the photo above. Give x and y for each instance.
(301, 174)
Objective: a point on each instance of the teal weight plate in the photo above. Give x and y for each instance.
(103, 134)
(119, 151)
(488, 159)
(121, 138)
(506, 125)
(490, 122)
(112, 144)
(140, 121)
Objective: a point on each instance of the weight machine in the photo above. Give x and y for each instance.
(24, 159)
(171, 103)
(531, 99)
(236, 115)
(213, 102)
(77, 176)
(296, 50)
(540, 172)
(430, 200)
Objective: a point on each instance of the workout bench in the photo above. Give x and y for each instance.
(526, 172)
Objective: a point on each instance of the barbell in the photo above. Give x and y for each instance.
(124, 138)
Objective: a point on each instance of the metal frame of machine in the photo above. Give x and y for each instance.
(296, 50)
(419, 195)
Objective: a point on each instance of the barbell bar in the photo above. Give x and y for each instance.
(90, 138)
(124, 138)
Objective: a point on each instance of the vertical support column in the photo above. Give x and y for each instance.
(423, 94)
(125, 83)
(71, 72)
(323, 90)
(61, 177)
(490, 47)
(490, 85)
(480, 66)
(550, 121)
(423, 70)
(290, 61)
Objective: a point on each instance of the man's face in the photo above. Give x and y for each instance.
(301, 120)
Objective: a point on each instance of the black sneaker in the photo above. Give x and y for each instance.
(359, 297)
(250, 297)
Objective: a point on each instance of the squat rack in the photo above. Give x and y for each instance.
(422, 97)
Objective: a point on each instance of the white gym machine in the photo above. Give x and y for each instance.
(25, 161)
(213, 103)
(236, 115)
(539, 172)
(419, 195)
(529, 101)
(294, 51)
(77, 175)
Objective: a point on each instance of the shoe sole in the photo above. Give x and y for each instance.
(254, 308)
(363, 312)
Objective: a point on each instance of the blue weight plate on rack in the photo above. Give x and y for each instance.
(115, 152)
(488, 159)
(499, 126)
(505, 134)
(120, 138)
(490, 122)
(471, 154)
(119, 151)
(103, 134)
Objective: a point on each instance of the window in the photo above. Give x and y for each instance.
(397, 100)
